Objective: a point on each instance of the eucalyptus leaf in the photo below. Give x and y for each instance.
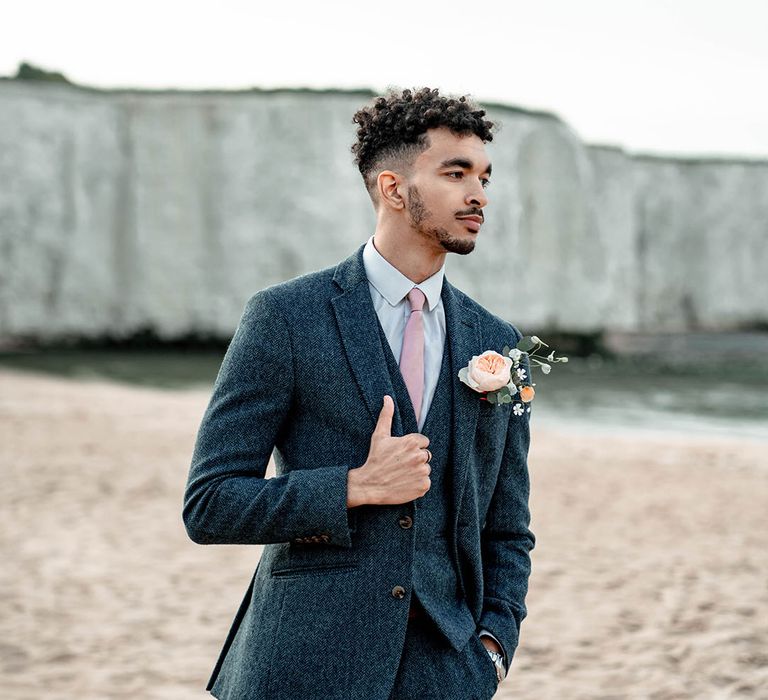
(525, 343)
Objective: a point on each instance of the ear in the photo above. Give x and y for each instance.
(389, 185)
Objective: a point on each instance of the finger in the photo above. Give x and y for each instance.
(421, 440)
(384, 423)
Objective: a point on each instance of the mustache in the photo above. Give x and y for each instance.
(474, 211)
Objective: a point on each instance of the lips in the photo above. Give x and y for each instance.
(472, 222)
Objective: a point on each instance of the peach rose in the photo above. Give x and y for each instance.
(527, 393)
(489, 371)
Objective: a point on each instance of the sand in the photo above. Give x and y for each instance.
(650, 571)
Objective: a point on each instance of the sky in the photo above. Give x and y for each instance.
(675, 77)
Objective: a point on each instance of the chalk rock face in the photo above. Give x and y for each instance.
(131, 211)
(702, 243)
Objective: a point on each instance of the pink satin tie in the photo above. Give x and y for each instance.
(412, 353)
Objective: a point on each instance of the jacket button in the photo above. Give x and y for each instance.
(405, 522)
(398, 592)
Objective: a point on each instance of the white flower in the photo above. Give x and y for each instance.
(512, 388)
(551, 356)
(517, 409)
(521, 373)
(528, 409)
(535, 339)
(515, 354)
(545, 367)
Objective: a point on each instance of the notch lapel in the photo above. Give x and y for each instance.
(358, 327)
(463, 334)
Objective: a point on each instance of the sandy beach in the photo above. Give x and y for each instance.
(650, 571)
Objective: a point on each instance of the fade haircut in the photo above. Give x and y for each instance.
(392, 130)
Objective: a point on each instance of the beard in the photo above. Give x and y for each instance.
(420, 220)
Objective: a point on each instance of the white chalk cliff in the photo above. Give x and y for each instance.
(124, 211)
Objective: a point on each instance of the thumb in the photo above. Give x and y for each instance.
(384, 424)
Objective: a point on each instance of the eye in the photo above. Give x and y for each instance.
(457, 173)
(485, 182)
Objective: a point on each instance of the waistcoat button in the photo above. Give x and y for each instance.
(405, 522)
(398, 592)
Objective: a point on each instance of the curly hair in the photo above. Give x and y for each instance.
(393, 128)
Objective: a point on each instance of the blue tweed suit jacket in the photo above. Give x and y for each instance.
(305, 375)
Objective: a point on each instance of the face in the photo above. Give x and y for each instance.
(446, 190)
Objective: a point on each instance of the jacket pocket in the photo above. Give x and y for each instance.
(318, 569)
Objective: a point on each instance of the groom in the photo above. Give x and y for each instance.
(397, 544)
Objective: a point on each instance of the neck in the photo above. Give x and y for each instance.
(416, 256)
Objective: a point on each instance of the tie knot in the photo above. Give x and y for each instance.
(416, 298)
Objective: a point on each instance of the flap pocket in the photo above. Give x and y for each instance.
(319, 569)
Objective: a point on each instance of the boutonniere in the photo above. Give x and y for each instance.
(499, 377)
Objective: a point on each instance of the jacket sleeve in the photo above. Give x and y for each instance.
(227, 499)
(506, 539)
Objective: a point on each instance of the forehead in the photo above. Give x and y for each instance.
(446, 145)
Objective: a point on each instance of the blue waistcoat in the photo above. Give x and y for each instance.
(434, 578)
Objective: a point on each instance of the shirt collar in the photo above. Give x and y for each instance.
(392, 284)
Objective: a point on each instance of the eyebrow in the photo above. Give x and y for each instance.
(461, 163)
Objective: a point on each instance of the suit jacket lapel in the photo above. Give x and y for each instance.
(463, 334)
(358, 327)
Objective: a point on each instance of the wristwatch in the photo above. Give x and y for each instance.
(498, 659)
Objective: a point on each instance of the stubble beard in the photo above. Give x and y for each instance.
(420, 216)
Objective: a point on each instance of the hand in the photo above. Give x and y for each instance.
(397, 469)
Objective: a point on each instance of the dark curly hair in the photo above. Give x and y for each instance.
(393, 128)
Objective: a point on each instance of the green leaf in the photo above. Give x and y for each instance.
(505, 351)
(491, 397)
(525, 343)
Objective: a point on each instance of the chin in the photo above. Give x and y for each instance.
(460, 246)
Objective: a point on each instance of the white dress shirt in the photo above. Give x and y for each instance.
(389, 292)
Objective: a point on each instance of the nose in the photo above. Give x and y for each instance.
(477, 197)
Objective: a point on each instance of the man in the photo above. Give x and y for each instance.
(397, 544)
